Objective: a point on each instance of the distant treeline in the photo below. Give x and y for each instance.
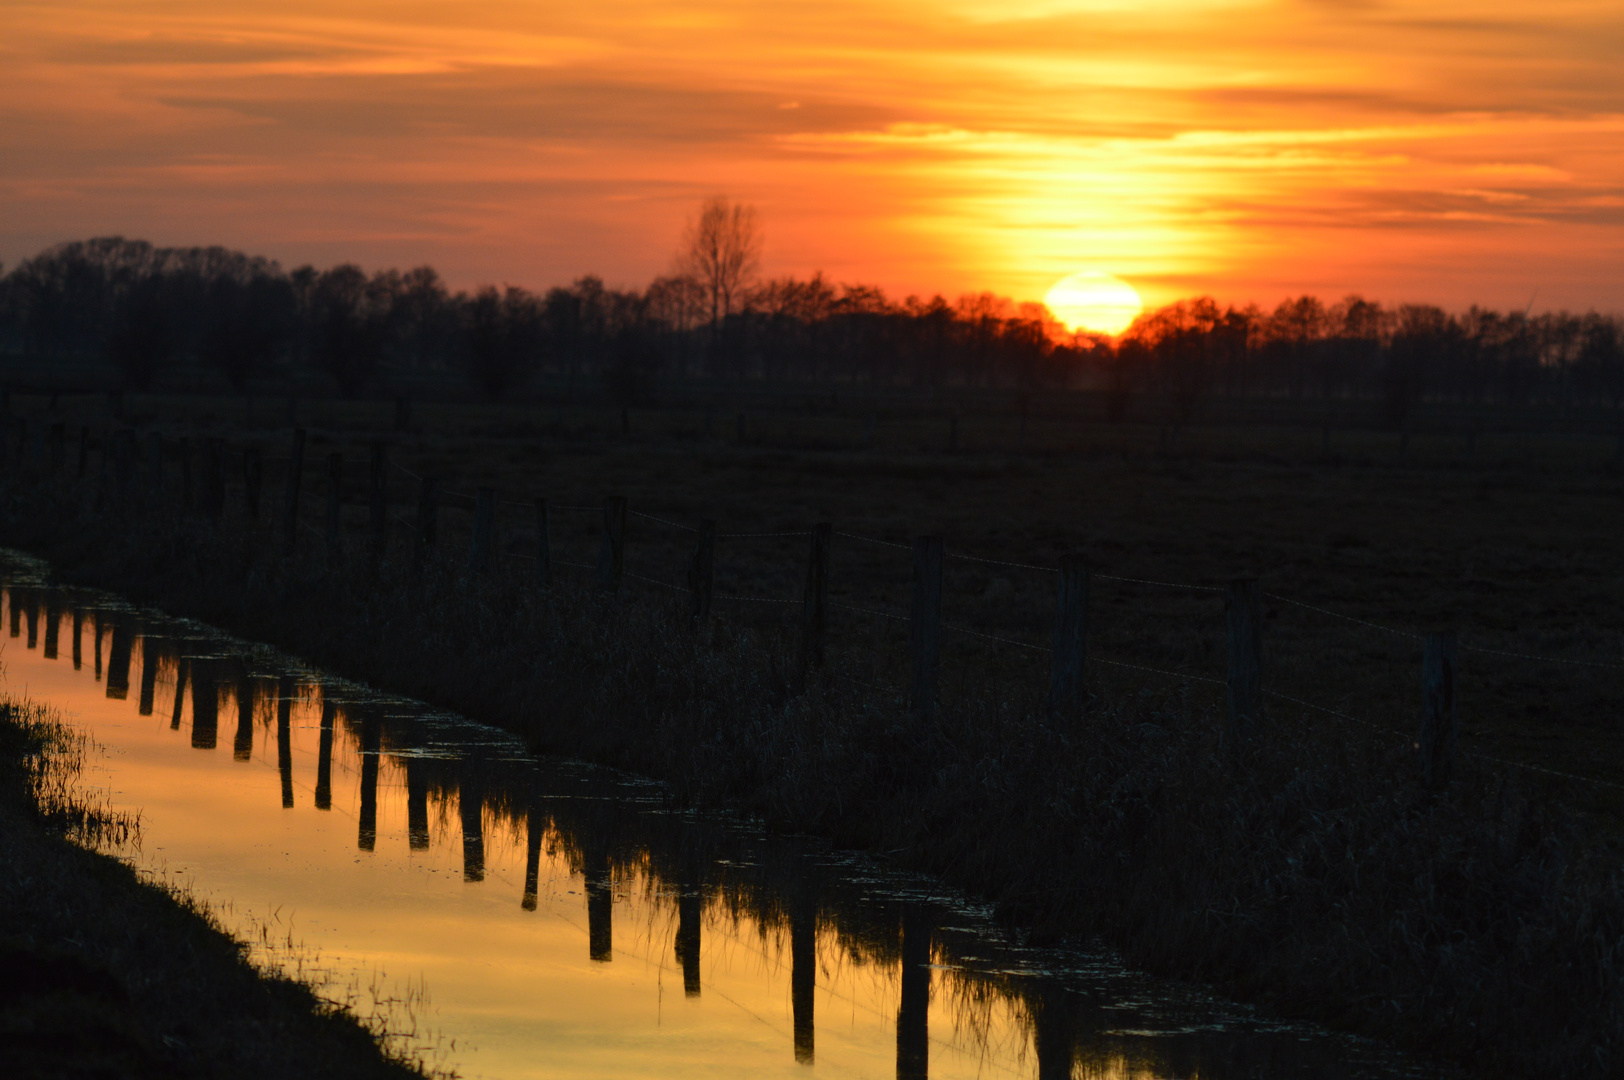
(143, 312)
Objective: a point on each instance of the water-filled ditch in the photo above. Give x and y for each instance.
(529, 917)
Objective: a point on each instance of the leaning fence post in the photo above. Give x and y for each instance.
(1438, 729)
(816, 598)
(611, 556)
(380, 499)
(1243, 612)
(544, 545)
(925, 625)
(1070, 639)
(253, 475)
(479, 552)
(702, 571)
(290, 497)
(335, 506)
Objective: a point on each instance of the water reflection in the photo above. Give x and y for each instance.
(548, 933)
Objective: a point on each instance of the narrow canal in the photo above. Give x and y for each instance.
(541, 918)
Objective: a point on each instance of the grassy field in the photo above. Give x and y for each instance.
(1509, 538)
(1309, 872)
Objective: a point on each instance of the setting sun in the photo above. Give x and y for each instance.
(1095, 301)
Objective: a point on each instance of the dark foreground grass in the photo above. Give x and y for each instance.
(105, 975)
(1306, 870)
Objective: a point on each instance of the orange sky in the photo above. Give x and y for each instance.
(1449, 151)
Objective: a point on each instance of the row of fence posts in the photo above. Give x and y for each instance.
(1243, 599)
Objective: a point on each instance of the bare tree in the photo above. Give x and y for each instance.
(721, 250)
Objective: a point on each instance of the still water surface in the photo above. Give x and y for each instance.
(553, 919)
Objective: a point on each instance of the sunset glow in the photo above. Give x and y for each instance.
(1243, 148)
(1095, 301)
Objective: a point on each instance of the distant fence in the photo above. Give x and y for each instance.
(132, 476)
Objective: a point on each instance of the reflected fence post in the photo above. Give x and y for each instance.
(324, 754)
(690, 917)
(285, 691)
(182, 668)
(803, 975)
(150, 649)
(600, 901)
(1053, 1034)
(78, 637)
(205, 704)
(242, 747)
(118, 659)
(417, 804)
(53, 624)
(913, 1013)
(31, 614)
(533, 828)
(371, 738)
(471, 809)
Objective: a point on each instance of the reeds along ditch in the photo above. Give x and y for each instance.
(1306, 868)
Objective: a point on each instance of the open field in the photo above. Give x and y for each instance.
(1307, 870)
(1512, 545)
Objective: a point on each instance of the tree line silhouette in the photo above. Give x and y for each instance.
(135, 312)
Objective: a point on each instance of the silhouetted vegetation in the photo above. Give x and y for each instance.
(141, 314)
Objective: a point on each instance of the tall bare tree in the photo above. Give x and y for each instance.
(721, 250)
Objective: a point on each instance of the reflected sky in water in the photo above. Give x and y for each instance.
(566, 920)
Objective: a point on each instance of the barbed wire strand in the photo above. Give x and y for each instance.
(1000, 562)
(1345, 618)
(742, 536)
(663, 521)
(869, 611)
(1159, 584)
(871, 540)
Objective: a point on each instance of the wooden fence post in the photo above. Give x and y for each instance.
(335, 506)
(214, 478)
(479, 551)
(155, 464)
(702, 571)
(1243, 610)
(59, 450)
(379, 501)
(253, 477)
(1438, 728)
(428, 513)
(925, 625)
(815, 600)
(186, 493)
(611, 556)
(1070, 640)
(124, 465)
(290, 490)
(544, 545)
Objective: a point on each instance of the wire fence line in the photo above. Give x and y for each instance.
(125, 472)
